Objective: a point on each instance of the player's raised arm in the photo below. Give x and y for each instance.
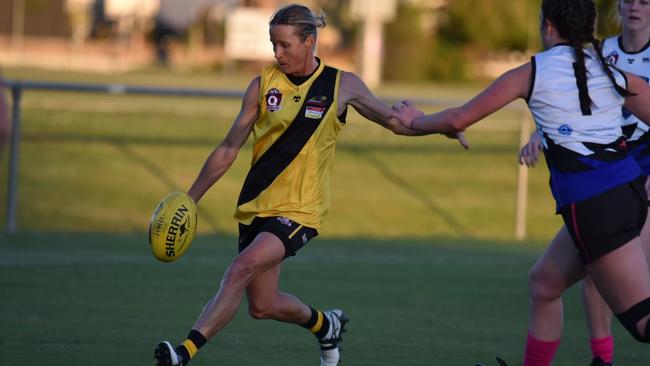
(353, 91)
(225, 153)
(508, 87)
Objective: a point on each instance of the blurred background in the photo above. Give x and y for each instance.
(426, 246)
(419, 40)
(109, 158)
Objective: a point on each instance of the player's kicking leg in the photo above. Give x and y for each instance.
(260, 281)
(265, 301)
(330, 342)
(166, 355)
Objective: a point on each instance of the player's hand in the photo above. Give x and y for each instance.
(405, 112)
(529, 153)
(460, 136)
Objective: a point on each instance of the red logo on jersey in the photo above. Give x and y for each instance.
(315, 107)
(273, 100)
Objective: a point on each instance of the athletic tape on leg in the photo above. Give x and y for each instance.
(631, 317)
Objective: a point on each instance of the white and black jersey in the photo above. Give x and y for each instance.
(584, 151)
(637, 63)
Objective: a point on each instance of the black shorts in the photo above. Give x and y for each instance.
(603, 223)
(293, 235)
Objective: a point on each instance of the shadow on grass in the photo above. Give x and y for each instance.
(415, 193)
(447, 301)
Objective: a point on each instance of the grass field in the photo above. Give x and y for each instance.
(418, 247)
(91, 299)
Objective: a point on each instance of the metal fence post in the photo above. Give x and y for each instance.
(12, 187)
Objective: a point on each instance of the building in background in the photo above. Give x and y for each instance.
(414, 40)
(118, 35)
(101, 35)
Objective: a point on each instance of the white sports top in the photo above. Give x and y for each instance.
(637, 63)
(553, 100)
(585, 153)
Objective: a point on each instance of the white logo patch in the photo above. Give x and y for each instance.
(285, 221)
(273, 100)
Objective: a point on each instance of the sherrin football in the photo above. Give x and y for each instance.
(172, 227)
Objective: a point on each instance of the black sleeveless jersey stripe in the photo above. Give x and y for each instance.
(288, 146)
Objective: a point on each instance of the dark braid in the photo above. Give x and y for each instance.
(580, 71)
(598, 46)
(574, 20)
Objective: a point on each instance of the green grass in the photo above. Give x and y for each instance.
(418, 246)
(93, 299)
(100, 163)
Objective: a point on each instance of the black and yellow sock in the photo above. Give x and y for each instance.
(317, 323)
(191, 345)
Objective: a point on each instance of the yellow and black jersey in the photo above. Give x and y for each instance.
(293, 148)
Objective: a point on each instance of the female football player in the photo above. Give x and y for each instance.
(576, 101)
(629, 51)
(295, 111)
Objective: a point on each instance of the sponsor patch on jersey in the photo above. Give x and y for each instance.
(273, 100)
(612, 58)
(565, 130)
(630, 61)
(285, 221)
(315, 107)
(646, 60)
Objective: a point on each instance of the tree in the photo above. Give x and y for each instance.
(503, 25)
(407, 46)
(608, 18)
(467, 31)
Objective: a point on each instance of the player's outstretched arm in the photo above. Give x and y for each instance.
(353, 91)
(508, 87)
(225, 154)
(405, 112)
(638, 103)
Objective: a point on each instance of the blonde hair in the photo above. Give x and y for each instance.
(299, 16)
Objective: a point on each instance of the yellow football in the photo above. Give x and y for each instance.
(172, 227)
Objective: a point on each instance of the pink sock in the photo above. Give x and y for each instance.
(603, 348)
(539, 353)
